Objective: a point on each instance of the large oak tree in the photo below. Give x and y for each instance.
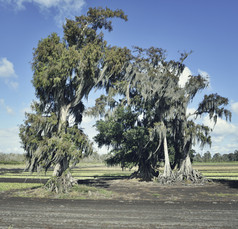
(64, 72)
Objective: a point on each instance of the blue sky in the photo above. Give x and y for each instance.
(208, 28)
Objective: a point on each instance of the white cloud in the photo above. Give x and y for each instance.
(234, 108)
(206, 76)
(222, 127)
(184, 77)
(7, 73)
(224, 136)
(6, 68)
(9, 110)
(3, 105)
(64, 8)
(10, 141)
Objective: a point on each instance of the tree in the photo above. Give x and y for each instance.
(236, 155)
(207, 157)
(198, 158)
(148, 89)
(64, 71)
(214, 106)
(151, 87)
(217, 157)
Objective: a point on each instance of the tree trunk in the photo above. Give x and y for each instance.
(62, 180)
(167, 176)
(167, 168)
(63, 116)
(61, 167)
(145, 171)
(186, 172)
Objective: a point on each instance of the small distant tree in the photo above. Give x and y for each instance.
(225, 157)
(198, 158)
(217, 157)
(207, 157)
(236, 155)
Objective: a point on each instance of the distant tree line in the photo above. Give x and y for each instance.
(14, 158)
(217, 157)
(11, 158)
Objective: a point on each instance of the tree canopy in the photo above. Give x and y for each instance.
(64, 72)
(151, 91)
(144, 106)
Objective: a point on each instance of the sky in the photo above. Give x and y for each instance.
(207, 28)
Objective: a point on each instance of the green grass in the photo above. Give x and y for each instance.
(227, 171)
(84, 171)
(77, 192)
(16, 186)
(221, 170)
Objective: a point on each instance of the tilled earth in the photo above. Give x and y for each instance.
(134, 205)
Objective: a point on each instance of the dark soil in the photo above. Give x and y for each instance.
(135, 205)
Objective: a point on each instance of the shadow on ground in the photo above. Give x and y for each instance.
(230, 183)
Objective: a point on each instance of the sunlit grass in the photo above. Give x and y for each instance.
(227, 171)
(77, 192)
(15, 186)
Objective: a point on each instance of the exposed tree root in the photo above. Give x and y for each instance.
(145, 174)
(194, 176)
(61, 184)
(184, 174)
(178, 177)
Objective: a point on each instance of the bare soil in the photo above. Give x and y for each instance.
(135, 205)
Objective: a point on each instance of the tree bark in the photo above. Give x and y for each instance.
(145, 171)
(61, 167)
(186, 172)
(62, 180)
(63, 116)
(167, 176)
(167, 167)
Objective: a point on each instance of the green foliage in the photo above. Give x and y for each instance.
(217, 157)
(11, 158)
(64, 71)
(150, 89)
(125, 137)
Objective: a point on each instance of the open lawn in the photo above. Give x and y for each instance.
(217, 171)
(94, 176)
(228, 171)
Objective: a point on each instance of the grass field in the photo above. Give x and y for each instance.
(96, 170)
(18, 183)
(225, 171)
(83, 171)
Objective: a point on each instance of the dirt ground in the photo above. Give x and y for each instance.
(134, 205)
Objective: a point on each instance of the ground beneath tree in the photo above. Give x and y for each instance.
(134, 204)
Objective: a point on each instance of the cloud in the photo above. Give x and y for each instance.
(184, 77)
(3, 105)
(222, 127)
(224, 136)
(206, 76)
(6, 68)
(234, 108)
(10, 141)
(64, 8)
(7, 73)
